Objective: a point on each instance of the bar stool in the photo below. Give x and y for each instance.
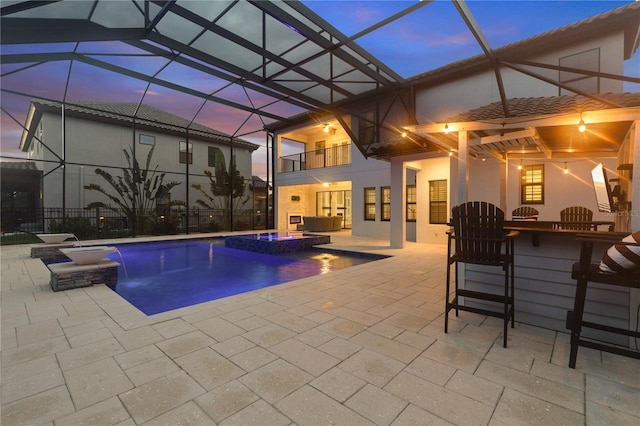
(478, 237)
(585, 271)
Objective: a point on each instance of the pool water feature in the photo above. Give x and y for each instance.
(175, 274)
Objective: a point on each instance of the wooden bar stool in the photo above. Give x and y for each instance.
(478, 237)
(584, 272)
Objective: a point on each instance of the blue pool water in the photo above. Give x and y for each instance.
(159, 277)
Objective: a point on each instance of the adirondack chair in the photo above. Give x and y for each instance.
(478, 237)
(524, 213)
(578, 218)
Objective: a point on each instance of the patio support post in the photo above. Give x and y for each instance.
(186, 219)
(635, 183)
(463, 167)
(634, 293)
(134, 208)
(231, 185)
(64, 169)
(398, 201)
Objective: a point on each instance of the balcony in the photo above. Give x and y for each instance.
(317, 159)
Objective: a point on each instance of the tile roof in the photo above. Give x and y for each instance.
(145, 115)
(531, 107)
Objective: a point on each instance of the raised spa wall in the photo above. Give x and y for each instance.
(277, 245)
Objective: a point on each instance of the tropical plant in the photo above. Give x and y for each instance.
(137, 191)
(226, 188)
(81, 227)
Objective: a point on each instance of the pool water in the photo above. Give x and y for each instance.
(159, 277)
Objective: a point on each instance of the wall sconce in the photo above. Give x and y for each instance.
(565, 171)
(520, 165)
(325, 184)
(446, 128)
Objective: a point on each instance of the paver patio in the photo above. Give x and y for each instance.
(363, 345)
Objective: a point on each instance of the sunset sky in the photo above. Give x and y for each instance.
(431, 37)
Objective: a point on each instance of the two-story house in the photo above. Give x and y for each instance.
(502, 127)
(97, 134)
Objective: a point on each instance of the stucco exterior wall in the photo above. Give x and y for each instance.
(360, 173)
(98, 144)
(450, 98)
(430, 170)
(573, 189)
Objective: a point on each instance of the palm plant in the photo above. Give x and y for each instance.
(137, 190)
(226, 190)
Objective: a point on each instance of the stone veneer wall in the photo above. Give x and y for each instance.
(68, 275)
(49, 252)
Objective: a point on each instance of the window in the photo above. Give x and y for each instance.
(385, 203)
(411, 203)
(532, 184)
(320, 147)
(367, 127)
(588, 61)
(146, 139)
(186, 154)
(438, 202)
(211, 157)
(369, 204)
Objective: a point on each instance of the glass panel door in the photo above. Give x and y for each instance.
(335, 203)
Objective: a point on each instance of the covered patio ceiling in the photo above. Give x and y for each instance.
(207, 61)
(538, 127)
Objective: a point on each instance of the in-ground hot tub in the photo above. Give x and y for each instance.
(275, 242)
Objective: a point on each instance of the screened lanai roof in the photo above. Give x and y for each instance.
(239, 65)
(271, 59)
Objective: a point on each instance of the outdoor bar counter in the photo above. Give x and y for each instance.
(544, 288)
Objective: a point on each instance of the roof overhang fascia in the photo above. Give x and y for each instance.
(611, 115)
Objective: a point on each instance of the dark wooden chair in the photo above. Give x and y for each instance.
(524, 213)
(577, 218)
(478, 237)
(586, 271)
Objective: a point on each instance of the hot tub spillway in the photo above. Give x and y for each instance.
(275, 243)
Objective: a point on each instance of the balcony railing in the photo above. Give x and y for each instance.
(318, 159)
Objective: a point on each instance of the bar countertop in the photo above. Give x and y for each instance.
(538, 228)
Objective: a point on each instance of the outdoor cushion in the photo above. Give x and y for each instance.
(622, 258)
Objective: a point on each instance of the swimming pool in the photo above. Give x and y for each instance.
(159, 277)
